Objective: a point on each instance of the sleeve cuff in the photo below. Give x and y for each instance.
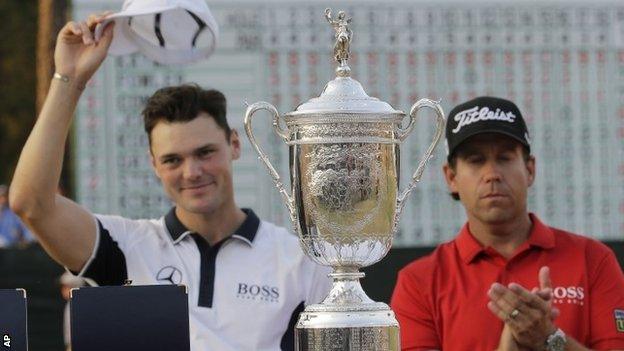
(96, 247)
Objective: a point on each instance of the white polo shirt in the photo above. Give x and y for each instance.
(245, 292)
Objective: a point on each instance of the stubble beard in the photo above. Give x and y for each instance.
(495, 214)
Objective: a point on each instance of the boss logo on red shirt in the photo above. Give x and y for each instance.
(569, 295)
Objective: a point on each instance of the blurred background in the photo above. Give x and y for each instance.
(562, 62)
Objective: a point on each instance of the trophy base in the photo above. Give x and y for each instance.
(347, 331)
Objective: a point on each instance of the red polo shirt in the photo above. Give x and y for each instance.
(441, 300)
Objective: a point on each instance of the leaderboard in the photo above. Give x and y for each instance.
(562, 65)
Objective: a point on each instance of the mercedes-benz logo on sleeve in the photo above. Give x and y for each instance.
(169, 275)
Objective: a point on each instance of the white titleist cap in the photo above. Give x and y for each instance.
(166, 31)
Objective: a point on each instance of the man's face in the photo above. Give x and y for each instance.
(194, 162)
(491, 177)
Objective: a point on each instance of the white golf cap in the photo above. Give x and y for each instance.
(166, 31)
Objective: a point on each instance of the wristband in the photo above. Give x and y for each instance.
(65, 79)
(61, 77)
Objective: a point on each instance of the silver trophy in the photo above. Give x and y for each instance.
(344, 199)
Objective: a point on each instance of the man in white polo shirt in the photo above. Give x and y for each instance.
(247, 278)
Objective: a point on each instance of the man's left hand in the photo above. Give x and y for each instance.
(528, 315)
(507, 341)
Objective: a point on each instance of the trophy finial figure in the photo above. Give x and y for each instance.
(343, 40)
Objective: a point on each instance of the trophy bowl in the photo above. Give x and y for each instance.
(345, 194)
(344, 200)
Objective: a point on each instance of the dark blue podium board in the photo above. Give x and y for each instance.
(13, 329)
(130, 318)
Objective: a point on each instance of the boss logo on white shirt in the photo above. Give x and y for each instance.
(169, 275)
(257, 292)
(569, 295)
(472, 115)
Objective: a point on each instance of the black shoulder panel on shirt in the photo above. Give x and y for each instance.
(109, 265)
(288, 339)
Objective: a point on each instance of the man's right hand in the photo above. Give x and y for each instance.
(66, 230)
(77, 55)
(545, 290)
(529, 315)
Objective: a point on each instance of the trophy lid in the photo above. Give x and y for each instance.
(344, 94)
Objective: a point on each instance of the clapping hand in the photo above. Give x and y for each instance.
(528, 315)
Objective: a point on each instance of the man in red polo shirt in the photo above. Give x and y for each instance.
(507, 281)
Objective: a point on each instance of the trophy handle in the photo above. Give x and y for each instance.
(284, 134)
(403, 133)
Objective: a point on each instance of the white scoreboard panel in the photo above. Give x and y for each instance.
(561, 62)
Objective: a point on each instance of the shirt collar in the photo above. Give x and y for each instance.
(246, 232)
(469, 248)
(541, 236)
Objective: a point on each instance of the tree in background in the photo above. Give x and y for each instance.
(26, 67)
(52, 14)
(18, 22)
